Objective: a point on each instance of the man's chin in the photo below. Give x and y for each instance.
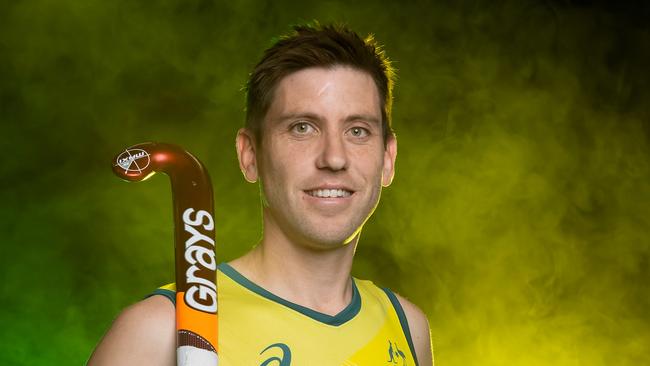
(330, 240)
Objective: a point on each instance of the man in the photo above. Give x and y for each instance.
(319, 141)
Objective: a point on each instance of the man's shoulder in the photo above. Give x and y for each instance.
(152, 311)
(419, 329)
(413, 320)
(143, 332)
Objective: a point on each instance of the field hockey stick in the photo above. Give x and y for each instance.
(195, 257)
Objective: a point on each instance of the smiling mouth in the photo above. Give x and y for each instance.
(329, 193)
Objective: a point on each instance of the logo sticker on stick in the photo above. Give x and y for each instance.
(133, 160)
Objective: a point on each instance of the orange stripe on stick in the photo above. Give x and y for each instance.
(201, 323)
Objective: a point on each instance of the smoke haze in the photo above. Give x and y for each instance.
(518, 219)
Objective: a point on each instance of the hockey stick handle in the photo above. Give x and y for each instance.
(194, 242)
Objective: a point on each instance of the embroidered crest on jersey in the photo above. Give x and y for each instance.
(395, 355)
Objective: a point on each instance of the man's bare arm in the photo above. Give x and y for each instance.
(420, 332)
(143, 334)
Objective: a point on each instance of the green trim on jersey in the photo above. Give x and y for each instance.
(342, 317)
(251, 319)
(403, 321)
(171, 295)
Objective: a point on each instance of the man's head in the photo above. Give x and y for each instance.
(323, 146)
(317, 46)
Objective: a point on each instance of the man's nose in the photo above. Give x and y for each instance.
(332, 154)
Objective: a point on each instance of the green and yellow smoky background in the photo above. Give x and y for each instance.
(519, 219)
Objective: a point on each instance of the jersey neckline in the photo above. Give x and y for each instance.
(342, 317)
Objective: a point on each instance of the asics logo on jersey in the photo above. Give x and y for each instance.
(395, 354)
(285, 360)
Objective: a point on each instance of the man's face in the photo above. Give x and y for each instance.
(322, 160)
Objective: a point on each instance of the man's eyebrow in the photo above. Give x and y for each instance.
(315, 117)
(363, 117)
(299, 115)
(296, 116)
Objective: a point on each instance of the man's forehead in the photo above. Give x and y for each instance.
(299, 91)
(324, 88)
(328, 69)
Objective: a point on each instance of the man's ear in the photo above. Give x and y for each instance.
(390, 154)
(245, 144)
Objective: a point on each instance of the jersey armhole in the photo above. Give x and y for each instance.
(169, 294)
(403, 321)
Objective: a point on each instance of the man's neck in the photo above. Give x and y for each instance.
(314, 278)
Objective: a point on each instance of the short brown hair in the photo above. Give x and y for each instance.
(314, 45)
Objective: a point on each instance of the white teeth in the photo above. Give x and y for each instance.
(325, 193)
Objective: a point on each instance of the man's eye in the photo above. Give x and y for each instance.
(359, 132)
(302, 128)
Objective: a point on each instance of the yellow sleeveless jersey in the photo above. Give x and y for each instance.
(258, 328)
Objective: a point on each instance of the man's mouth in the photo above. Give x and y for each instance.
(329, 193)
